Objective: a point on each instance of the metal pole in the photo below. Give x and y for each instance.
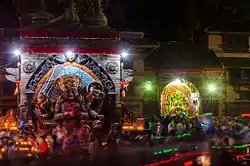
(157, 91)
(19, 82)
(121, 79)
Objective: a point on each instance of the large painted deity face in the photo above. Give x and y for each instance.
(179, 98)
(178, 104)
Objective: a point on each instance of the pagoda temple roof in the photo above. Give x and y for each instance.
(182, 56)
(235, 62)
(229, 27)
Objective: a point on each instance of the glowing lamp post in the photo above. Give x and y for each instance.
(148, 86)
(212, 88)
(177, 82)
(70, 56)
(18, 53)
(123, 55)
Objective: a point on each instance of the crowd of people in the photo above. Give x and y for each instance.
(233, 130)
(26, 142)
(90, 140)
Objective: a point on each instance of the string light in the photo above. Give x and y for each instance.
(45, 34)
(188, 163)
(245, 115)
(177, 136)
(231, 147)
(79, 50)
(167, 150)
(178, 157)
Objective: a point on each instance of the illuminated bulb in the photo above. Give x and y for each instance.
(69, 53)
(17, 52)
(177, 82)
(212, 88)
(124, 54)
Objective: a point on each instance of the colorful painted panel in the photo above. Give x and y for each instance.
(47, 82)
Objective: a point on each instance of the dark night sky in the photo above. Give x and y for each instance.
(160, 19)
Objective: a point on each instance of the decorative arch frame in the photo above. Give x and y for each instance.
(83, 60)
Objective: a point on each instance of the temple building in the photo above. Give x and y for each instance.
(231, 45)
(179, 78)
(74, 49)
(8, 33)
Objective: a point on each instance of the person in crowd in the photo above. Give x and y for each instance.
(131, 117)
(113, 136)
(153, 124)
(66, 142)
(95, 137)
(11, 152)
(126, 118)
(179, 128)
(43, 147)
(172, 128)
(159, 129)
(56, 147)
(60, 132)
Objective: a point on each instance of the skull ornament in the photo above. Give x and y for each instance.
(29, 67)
(96, 89)
(112, 67)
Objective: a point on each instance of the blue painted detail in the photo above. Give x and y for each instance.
(22, 122)
(71, 70)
